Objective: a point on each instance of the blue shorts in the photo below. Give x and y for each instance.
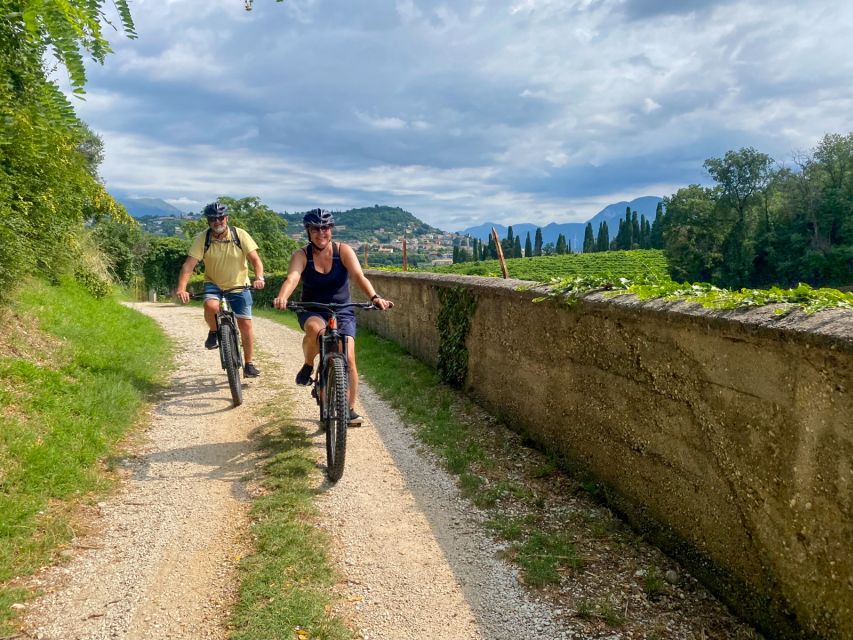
(240, 301)
(346, 321)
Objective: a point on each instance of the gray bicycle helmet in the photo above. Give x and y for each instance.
(215, 209)
(318, 218)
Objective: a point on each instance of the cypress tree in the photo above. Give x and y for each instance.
(516, 247)
(602, 242)
(537, 243)
(588, 239)
(455, 254)
(492, 250)
(627, 238)
(528, 247)
(656, 241)
(635, 231)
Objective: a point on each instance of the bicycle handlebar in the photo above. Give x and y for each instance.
(330, 306)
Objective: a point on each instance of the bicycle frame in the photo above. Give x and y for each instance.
(230, 343)
(223, 316)
(333, 370)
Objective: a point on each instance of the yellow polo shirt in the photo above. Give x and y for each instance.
(225, 263)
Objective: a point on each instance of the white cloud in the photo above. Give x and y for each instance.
(460, 109)
(382, 122)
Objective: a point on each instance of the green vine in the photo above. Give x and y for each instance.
(803, 296)
(453, 322)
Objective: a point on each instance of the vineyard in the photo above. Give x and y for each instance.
(633, 265)
(645, 273)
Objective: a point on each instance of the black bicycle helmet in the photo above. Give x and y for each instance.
(318, 218)
(215, 209)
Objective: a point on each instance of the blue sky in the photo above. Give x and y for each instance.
(462, 111)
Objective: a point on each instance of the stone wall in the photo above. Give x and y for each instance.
(727, 437)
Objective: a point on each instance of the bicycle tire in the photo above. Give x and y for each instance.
(337, 415)
(231, 360)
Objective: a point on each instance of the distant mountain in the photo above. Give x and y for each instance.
(365, 224)
(146, 207)
(573, 231)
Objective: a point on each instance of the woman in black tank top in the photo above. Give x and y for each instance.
(325, 269)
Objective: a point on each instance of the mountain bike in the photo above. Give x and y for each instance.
(330, 387)
(230, 346)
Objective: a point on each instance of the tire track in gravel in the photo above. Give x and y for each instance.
(412, 557)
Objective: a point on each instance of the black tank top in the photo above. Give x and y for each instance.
(325, 287)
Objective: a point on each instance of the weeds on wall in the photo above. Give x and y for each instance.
(803, 296)
(457, 305)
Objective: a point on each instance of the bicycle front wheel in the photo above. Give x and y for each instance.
(337, 415)
(231, 360)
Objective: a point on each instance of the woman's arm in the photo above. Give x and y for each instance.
(298, 261)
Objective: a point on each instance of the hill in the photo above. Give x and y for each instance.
(369, 223)
(573, 231)
(147, 207)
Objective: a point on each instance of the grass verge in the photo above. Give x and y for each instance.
(69, 390)
(286, 584)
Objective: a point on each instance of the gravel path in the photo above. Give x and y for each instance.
(160, 560)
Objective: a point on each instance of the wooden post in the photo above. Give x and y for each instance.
(405, 257)
(500, 251)
(365, 255)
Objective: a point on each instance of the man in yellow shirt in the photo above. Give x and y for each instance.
(225, 250)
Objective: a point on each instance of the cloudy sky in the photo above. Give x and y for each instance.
(461, 111)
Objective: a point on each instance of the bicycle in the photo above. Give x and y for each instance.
(230, 346)
(330, 387)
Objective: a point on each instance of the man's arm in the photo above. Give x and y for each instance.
(353, 266)
(258, 268)
(184, 278)
(298, 261)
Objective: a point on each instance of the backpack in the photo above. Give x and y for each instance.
(209, 236)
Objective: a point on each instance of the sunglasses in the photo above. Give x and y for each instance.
(216, 218)
(322, 227)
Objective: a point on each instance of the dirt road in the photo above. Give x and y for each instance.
(158, 559)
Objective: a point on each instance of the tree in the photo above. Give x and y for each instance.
(164, 260)
(602, 242)
(528, 247)
(588, 239)
(537, 244)
(516, 247)
(656, 236)
(48, 158)
(692, 239)
(741, 175)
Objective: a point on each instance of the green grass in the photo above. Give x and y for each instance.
(286, 584)
(653, 582)
(64, 407)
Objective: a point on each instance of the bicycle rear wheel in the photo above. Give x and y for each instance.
(337, 415)
(231, 360)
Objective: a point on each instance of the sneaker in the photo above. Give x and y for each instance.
(304, 375)
(354, 418)
(250, 371)
(211, 342)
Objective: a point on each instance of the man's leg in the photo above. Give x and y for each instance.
(211, 308)
(247, 336)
